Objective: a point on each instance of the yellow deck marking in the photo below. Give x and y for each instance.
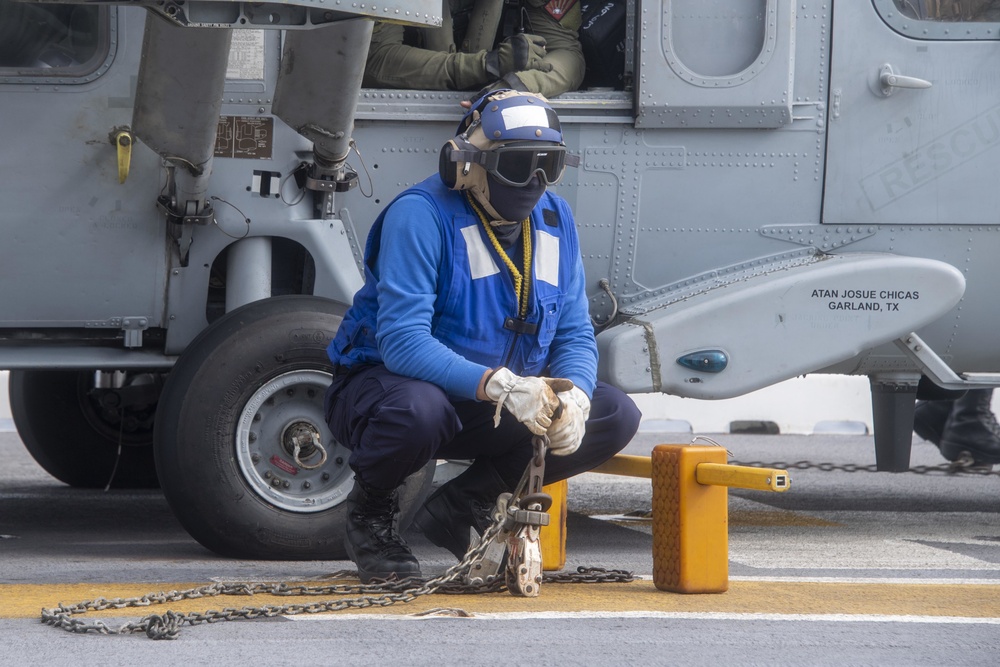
(965, 600)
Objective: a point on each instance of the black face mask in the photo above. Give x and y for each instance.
(514, 203)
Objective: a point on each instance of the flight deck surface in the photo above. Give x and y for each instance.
(844, 568)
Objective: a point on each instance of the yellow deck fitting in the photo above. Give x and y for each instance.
(553, 536)
(743, 477)
(690, 522)
(690, 511)
(628, 465)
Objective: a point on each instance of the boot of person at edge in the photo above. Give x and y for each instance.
(467, 501)
(372, 539)
(929, 418)
(966, 425)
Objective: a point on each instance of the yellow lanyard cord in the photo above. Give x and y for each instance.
(522, 283)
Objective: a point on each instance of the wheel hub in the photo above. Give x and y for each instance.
(302, 441)
(284, 448)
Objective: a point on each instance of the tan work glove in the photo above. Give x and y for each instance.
(531, 400)
(517, 53)
(566, 431)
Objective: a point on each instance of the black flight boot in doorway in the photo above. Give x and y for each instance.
(372, 540)
(929, 418)
(465, 502)
(972, 428)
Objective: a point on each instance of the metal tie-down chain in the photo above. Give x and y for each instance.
(514, 528)
(961, 466)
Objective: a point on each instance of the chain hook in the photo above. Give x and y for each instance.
(297, 449)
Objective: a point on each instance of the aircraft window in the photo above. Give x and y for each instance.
(725, 63)
(943, 10)
(607, 37)
(937, 19)
(51, 40)
(721, 43)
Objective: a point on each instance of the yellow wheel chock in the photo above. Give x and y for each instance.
(553, 536)
(690, 513)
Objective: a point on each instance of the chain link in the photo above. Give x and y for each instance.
(953, 468)
(381, 594)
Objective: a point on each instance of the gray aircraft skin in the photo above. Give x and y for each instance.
(776, 188)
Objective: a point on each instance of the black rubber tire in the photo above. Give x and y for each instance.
(213, 479)
(65, 433)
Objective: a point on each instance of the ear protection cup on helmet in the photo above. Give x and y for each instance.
(446, 168)
(458, 175)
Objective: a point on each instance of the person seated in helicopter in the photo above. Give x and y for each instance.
(539, 52)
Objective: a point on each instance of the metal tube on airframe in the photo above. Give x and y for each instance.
(178, 101)
(318, 86)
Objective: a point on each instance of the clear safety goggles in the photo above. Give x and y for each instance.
(515, 164)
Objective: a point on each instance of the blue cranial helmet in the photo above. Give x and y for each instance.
(509, 115)
(511, 135)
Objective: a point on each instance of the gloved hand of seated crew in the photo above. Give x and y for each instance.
(566, 431)
(517, 53)
(532, 400)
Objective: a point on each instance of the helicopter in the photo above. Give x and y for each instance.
(766, 189)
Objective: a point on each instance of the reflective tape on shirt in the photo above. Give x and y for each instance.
(546, 257)
(481, 263)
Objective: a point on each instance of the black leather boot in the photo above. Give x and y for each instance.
(972, 428)
(929, 418)
(372, 540)
(465, 502)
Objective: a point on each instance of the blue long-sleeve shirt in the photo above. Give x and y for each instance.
(437, 295)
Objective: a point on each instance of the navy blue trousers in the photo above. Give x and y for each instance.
(394, 425)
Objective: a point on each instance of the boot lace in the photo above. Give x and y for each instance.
(380, 520)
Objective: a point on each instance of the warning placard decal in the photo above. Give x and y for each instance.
(247, 137)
